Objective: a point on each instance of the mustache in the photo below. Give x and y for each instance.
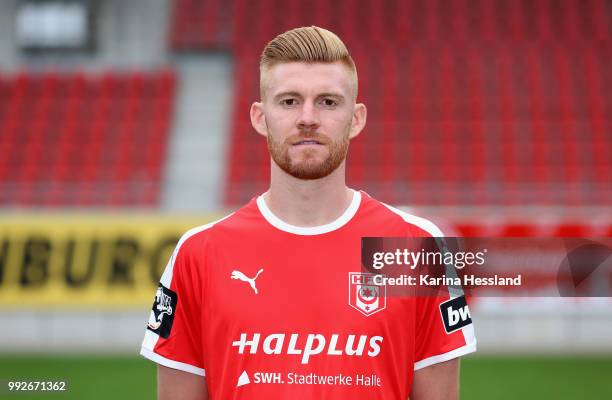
(308, 135)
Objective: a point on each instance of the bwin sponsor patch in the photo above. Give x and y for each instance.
(455, 314)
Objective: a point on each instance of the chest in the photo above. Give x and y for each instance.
(304, 285)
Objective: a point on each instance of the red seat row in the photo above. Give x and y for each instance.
(81, 139)
(229, 24)
(512, 229)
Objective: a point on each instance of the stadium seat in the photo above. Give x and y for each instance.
(77, 139)
(468, 105)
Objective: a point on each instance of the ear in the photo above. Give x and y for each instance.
(258, 119)
(358, 122)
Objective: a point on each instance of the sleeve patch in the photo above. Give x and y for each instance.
(164, 308)
(455, 314)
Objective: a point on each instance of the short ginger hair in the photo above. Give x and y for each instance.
(310, 44)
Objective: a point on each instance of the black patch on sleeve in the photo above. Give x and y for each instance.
(455, 314)
(164, 309)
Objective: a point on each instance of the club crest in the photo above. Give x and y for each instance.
(364, 295)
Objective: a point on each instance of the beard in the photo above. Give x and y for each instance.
(309, 168)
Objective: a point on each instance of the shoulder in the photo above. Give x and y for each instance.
(188, 249)
(198, 234)
(395, 219)
(228, 225)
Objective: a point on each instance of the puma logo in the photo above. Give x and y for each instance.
(239, 275)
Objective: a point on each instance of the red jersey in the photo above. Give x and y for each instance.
(268, 310)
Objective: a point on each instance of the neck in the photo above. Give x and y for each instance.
(308, 203)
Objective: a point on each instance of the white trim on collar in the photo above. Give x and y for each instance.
(310, 230)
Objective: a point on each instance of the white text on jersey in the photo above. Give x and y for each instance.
(315, 343)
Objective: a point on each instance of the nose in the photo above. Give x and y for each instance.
(309, 117)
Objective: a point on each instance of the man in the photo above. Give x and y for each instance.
(260, 305)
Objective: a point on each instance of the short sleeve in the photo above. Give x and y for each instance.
(444, 330)
(173, 333)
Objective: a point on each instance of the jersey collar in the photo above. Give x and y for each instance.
(310, 230)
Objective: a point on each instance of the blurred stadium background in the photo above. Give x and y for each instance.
(125, 122)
